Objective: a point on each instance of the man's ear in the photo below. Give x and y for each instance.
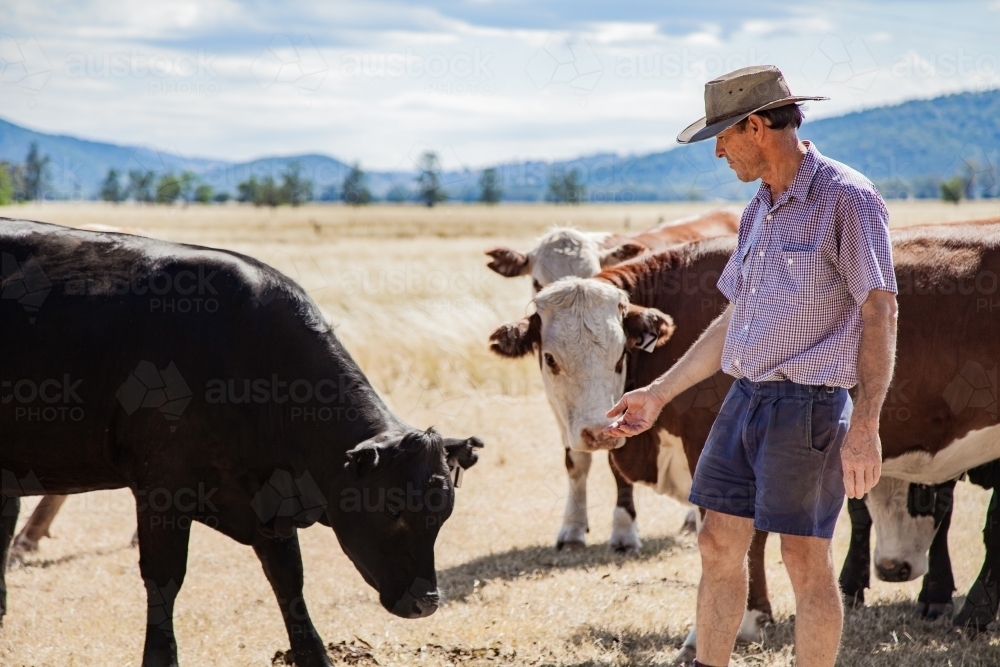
(642, 324)
(463, 452)
(508, 262)
(621, 253)
(362, 460)
(517, 339)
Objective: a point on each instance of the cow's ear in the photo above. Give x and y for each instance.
(620, 253)
(362, 460)
(463, 452)
(647, 327)
(507, 262)
(516, 339)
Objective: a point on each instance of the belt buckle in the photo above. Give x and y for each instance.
(829, 389)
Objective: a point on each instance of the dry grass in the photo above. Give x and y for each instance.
(511, 598)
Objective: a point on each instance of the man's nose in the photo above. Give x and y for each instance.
(719, 150)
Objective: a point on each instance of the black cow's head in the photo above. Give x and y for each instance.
(399, 491)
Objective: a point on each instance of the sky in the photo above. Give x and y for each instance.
(479, 81)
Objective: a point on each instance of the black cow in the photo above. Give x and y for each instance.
(210, 385)
(921, 516)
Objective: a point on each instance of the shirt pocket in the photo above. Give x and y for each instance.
(797, 275)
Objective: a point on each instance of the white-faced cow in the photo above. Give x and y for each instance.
(233, 405)
(567, 252)
(671, 296)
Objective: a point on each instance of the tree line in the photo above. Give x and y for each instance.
(30, 180)
(25, 181)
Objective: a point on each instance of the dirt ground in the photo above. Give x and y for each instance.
(413, 301)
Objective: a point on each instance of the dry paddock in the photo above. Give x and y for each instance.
(414, 303)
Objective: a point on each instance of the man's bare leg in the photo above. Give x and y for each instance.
(722, 593)
(819, 614)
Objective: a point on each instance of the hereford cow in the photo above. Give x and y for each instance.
(589, 334)
(568, 252)
(210, 385)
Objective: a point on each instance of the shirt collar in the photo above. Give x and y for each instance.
(803, 178)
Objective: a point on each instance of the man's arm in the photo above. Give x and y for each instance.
(639, 409)
(861, 454)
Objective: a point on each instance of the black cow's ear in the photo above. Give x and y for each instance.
(647, 327)
(516, 339)
(463, 452)
(508, 262)
(362, 460)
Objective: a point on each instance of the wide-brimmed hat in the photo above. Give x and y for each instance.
(734, 96)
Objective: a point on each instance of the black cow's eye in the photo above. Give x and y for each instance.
(551, 363)
(537, 285)
(392, 512)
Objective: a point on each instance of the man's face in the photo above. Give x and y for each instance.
(741, 152)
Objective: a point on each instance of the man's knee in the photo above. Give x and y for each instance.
(724, 539)
(807, 559)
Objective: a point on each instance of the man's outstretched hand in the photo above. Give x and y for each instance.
(634, 413)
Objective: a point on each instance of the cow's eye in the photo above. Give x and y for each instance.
(393, 513)
(551, 363)
(537, 285)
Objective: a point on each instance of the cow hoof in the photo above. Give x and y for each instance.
(571, 545)
(624, 533)
(685, 656)
(931, 611)
(751, 628)
(690, 524)
(625, 549)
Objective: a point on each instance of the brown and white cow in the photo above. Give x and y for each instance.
(566, 252)
(940, 331)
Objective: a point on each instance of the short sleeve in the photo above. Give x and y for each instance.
(864, 258)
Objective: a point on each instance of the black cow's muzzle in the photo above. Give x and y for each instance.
(420, 599)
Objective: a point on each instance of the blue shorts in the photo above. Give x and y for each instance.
(773, 455)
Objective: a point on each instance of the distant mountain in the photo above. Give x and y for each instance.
(907, 149)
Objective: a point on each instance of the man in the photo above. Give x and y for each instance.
(812, 313)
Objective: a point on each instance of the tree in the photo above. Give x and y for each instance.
(36, 173)
(489, 186)
(221, 197)
(248, 191)
(566, 187)
(353, 191)
(203, 193)
(140, 185)
(111, 189)
(269, 193)
(295, 189)
(6, 185)
(168, 189)
(187, 182)
(429, 181)
(953, 189)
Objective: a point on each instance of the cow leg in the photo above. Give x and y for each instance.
(624, 527)
(980, 606)
(758, 611)
(855, 575)
(37, 525)
(9, 508)
(575, 527)
(282, 563)
(938, 584)
(163, 547)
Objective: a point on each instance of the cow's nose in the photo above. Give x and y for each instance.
(594, 438)
(890, 569)
(420, 600)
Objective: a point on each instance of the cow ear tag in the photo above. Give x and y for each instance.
(648, 342)
(456, 475)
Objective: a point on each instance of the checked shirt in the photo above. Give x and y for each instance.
(800, 272)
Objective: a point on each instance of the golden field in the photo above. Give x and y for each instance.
(413, 301)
